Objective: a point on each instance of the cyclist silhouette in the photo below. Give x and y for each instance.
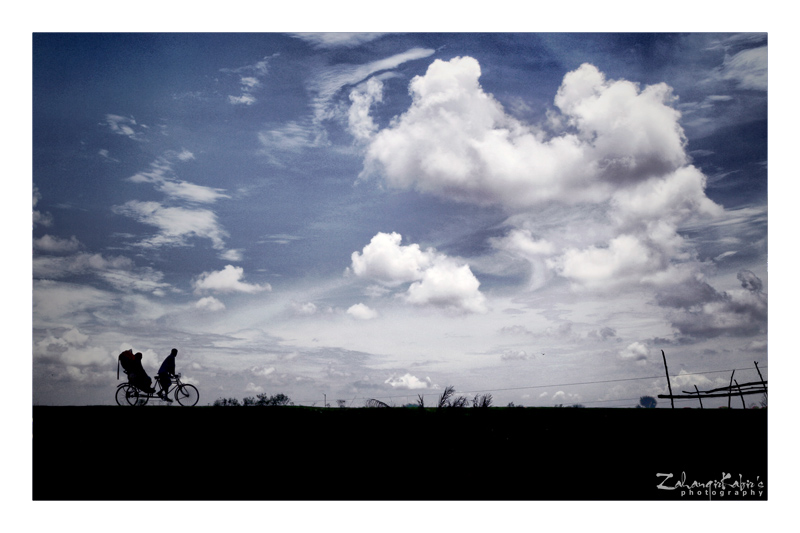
(165, 374)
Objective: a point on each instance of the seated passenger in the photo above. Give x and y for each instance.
(139, 377)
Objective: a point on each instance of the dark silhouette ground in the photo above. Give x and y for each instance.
(296, 453)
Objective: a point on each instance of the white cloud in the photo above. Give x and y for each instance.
(245, 99)
(635, 351)
(337, 39)
(229, 279)
(190, 191)
(516, 355)
(118, 271)
(409, 382)
(305, 309)
(329, 81)
(362, 312)
(123, 126)
(249, 80)
(39, 218)
(748, 68)
(71, 348)
(447, 284)
(437, 279)
(625, 260)
(175, 224)
(386, 261)
(456, 141)
(50, 244)
(209, 303)
(261, 371)
(58, 303)
(252, 387)
(161, 174)
(291, 137)
(185, 155)
(614, 148)
(360, 122)
(232, 255)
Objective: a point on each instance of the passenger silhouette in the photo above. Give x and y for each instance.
(165, 374)
(140, 378)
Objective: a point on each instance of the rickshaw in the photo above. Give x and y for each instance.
(185, 394)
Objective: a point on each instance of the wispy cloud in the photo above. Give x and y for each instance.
(250, 77)
(161, 175)
(126, 126)
(337, 39)
(119, 272)
(328, 81)
(176, 225)
(39, 218)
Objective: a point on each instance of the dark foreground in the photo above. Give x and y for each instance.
(293, 453)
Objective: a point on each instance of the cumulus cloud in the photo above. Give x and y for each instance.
(229, 279)
(209, 303)
(386, 261)
(409, 382)
(448, 284)
(635, 351)
(435, 279)
(612, 148)
(703, 312)
(457, 141)
(362, 312)
(625, 260)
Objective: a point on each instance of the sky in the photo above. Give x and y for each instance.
(339, 217)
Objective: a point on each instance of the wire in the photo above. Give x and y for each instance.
(546, 386)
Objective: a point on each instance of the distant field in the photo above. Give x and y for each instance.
(299, 453)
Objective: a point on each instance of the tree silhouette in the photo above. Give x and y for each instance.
(647, 402)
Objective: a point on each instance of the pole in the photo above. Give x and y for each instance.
(761, 377)
(730, 388)
(698, 396)
(740, 394)
(669, 385)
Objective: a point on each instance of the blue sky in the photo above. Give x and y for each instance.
(352, 216)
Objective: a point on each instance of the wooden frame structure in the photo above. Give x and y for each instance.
(733, 389)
